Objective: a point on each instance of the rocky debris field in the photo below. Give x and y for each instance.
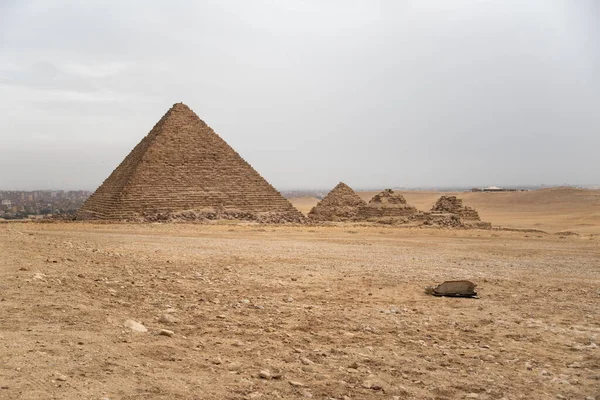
(230, 311)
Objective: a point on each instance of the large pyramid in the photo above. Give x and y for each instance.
(341, 204)
(183, 169)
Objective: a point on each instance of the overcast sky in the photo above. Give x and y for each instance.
(373, 93)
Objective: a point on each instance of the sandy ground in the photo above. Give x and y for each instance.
(552, 210)
(320, 312)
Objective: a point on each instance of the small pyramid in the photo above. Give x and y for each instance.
(183, 168)
(387, 204)
(341, 204)
(454, 205)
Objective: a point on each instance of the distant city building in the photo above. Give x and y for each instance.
(24, 204)
(492, 189)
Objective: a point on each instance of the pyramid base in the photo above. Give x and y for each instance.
(198, 216)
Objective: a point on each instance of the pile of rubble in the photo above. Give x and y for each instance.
(454, 205)
(387, 204)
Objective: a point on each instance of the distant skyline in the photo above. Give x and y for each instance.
(427, 93)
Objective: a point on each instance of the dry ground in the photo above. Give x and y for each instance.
(552, 210)
(324, 312)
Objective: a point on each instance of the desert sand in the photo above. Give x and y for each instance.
(282, 312)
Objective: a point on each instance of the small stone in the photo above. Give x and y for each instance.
(276, 375)
(167, 319)
(61, 378)
(297, 384)
(234, 366)
(217, 361)
(166, 332)
(528, 366)
(545, 373)
(372, 384)
(306, 361)
(39, 277)
(4, 387)
(289, 299)
(472, 396)
(264, 374)
(135, 326)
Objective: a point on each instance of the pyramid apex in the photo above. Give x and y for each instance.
(180, 106)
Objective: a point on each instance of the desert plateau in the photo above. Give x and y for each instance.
(237, 310)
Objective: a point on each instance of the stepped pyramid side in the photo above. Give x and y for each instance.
(387, 204)
(341, 204)
(183, 166)
(454, 205)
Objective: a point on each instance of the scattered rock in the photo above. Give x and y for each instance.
(39, 277)
(264, 374)
(297, 384)
(235, 366)
(529, 366)
(61, 378)
(167, 319)
(166, 332)
(135, 326)
(373, 384)
(306, 361)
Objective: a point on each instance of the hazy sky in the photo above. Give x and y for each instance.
(374, 93)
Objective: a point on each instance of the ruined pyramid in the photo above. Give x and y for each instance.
(387, 204)
(449, 211)
(341, 204)
(183, 170)
(454, 205)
